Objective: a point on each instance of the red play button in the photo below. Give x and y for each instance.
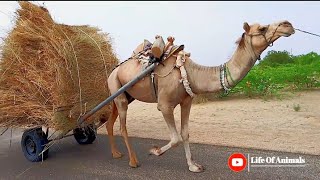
(237, 162)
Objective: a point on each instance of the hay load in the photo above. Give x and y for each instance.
(51, 73)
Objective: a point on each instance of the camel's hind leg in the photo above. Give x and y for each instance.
(112, 119)
(122, 106)
(121, 103)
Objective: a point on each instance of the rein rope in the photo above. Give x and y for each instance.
(306, 32)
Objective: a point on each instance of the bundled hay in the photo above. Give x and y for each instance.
(50, 73)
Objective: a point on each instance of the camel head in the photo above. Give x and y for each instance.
(259, 37)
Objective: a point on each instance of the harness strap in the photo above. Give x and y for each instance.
(153, 86)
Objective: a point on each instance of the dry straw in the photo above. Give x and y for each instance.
(51, 73)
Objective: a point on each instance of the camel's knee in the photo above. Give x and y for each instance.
(165, 108)
(121, 104)
(123, 130)
(185, 136)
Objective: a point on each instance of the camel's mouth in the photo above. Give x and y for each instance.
(287, 34)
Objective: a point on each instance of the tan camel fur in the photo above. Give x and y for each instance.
(171, 91)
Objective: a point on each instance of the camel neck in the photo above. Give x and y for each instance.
(204, 79)
(240, 64)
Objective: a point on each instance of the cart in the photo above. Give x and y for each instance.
(35, 143)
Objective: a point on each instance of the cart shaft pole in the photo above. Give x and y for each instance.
(120, 91)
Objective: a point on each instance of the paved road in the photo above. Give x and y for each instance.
(68, 160)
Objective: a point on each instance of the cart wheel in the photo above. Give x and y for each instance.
(85, 135)
(32, 143)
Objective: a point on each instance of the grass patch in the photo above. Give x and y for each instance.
(296, 107)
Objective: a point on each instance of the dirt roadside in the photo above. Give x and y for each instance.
(251, 123)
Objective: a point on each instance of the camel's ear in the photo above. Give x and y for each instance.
(246, 27)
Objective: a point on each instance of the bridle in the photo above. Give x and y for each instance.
(269, 43)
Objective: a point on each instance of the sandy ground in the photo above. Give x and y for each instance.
(251, 123)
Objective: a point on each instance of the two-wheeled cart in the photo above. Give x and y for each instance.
(35, 142)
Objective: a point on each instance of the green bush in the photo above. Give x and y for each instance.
(309, 58)
(276, 58)
(279, 71)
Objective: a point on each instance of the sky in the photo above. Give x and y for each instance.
(208, 29)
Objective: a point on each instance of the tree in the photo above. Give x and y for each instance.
(276, 58)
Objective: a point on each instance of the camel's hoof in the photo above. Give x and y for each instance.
(155, 150)
(134, 164)
(116, 155)
(196, 168)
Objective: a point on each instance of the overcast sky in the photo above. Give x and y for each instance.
(207, 29)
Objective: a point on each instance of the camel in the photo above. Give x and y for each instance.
(171, 92)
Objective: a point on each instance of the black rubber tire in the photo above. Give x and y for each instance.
(32, 144)
(85, 135)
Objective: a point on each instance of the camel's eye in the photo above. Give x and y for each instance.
(262, 29)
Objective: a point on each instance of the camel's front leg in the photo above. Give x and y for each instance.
(167, 112)
(185, 112)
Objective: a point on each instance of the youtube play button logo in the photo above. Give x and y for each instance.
(237, 162)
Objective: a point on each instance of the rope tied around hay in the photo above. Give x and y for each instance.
(104, 61)
(78, 72)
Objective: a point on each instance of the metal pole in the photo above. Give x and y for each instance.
(120, 91)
